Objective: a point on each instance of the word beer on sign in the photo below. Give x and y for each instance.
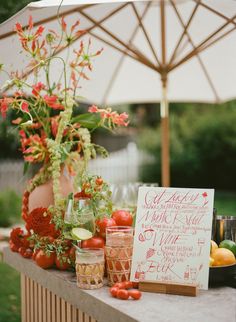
(172, 235)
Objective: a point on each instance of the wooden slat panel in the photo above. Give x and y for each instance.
(31, 300)
(53, 307)
(68, 312)
(86, 318)
(58, 309)
(44, 308)
(63, 310)
(49, 306)
(40, 303)
(27, 299)
(35, 302)
(73, 315)
(92, 319)
(80, 316)
(23, 299)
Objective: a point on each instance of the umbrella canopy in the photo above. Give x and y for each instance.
(155, 51)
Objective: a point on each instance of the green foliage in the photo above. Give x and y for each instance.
(10, 208)
(202, 147)
(9, 141)
(9, 7)
(9, 294)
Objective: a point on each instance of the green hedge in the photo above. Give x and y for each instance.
(10, 208)
(203, 147)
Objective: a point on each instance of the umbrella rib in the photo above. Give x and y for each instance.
(123, 51)
(214, 11)
(173, 56)
(145, 31)
(197, 55)
(136, 52)
(116, 71)
(204, 44)
(46, 20)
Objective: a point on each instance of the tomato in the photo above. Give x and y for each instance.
(62, 262)
(113, 291)
(135, 294)
(45, 260)
(28, 253)
(118, 285)
(72, 254)
(103, 223)
(127, 284)
(13, 247)
(122, 294)
(135, 284)
(122, 218)
(35, 252)
(25, 252)
(99, 181)
(94, 242)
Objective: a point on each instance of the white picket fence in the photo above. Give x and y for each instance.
(120, 167)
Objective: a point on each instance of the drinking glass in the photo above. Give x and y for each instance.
(90, 268)
(119, 250)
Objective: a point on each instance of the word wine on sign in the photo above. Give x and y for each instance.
(172, 235)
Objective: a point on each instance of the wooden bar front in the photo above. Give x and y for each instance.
(53, 296)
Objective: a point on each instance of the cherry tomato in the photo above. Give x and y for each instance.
(135, 294)
(94, 242)
(135, 284)
(127, 285)
(103, 223)
(21, 250)
(122, 294)
(28, 253)
(50, 239)
(113, 291)
(118, 285)
(45, 260)
(62, 262)
(122, 218)
(99, 181)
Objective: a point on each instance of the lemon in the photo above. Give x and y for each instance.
(81, 234)
(214, 246)
(229, 244)
(211, 261)
(222, 257)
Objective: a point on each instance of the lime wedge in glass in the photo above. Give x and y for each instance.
(81, 234)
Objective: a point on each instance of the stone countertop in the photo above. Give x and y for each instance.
(214, 305)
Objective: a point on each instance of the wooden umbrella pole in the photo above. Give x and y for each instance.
(165, 158)
(165, 153)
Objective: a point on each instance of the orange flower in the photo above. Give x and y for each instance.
(52, 101)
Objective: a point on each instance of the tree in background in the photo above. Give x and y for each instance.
(9, 7)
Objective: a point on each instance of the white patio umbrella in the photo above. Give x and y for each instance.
(155, 51)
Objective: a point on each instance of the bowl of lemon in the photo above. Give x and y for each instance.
(222, 262)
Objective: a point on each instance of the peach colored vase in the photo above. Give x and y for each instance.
(42, 196)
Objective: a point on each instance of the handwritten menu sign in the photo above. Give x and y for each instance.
(172, 235)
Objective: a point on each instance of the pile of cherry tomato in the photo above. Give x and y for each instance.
(125, 290)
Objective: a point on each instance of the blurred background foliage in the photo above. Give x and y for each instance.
(9, 7)
(203, 146)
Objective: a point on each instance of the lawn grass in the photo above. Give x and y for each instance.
(9, 294)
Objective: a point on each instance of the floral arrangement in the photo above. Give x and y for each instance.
(54, 137)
